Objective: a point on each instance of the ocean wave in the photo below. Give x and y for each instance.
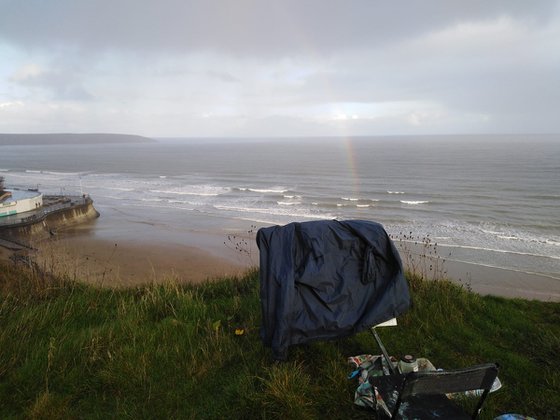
(158, 205)
(152, 200)
(349, 205)
(395, 192)
(520, 237)
(509, 238)
(274, 190)
(179, 202)
(202, 191)
(498, 251)
(288, 203)
(61, 173)
(274, 212)
(292, 196)
(30, 171)
(239, 208)
(349, 199)
(413, 202)
(113, 197)
(492, 232)
(185, 193)
(20, 175)
(268, 190)
(120, 189)
(4, 170)
(327, 205)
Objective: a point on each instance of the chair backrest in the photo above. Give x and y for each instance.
(450, 381)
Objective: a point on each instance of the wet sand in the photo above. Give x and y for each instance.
(501, 282)
(482, 279)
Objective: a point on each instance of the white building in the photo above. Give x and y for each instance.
(20, 201)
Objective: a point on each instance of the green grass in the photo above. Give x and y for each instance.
(68, 350)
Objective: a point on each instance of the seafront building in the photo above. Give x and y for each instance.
(24, 213)
(19, 201)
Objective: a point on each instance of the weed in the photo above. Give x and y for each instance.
(49, 406)
(242, 244)
(420, 256)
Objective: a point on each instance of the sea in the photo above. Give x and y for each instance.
(487, 200)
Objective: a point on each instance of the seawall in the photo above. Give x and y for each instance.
(44, 224)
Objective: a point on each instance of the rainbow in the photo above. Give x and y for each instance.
(352, 165)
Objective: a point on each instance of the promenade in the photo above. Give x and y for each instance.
(51, 204)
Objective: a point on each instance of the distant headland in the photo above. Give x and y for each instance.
(70, 138)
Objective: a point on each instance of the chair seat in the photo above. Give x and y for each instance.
(421, 395)
(430, 407)
(416, 406)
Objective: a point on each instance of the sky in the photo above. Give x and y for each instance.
(249, 68)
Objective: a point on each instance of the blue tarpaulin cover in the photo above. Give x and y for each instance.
(327, 279)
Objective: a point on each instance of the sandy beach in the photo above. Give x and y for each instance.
(123, 262)
(126, 263)
(480, 278)
(506, 283)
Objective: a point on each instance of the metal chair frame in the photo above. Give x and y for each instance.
(451, 381)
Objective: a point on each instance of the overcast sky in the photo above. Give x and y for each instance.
(279, 68)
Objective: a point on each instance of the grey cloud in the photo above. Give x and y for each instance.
(254, 67)
(510, 78)
(222, 76)
(59, 85)
(242, 26)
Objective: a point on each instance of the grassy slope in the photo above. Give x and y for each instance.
(69, 350)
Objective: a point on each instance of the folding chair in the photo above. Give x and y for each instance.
(390, 323)
(423, 394)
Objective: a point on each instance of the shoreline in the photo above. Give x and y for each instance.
(480, 278)
(503, 282)
(201, 256)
